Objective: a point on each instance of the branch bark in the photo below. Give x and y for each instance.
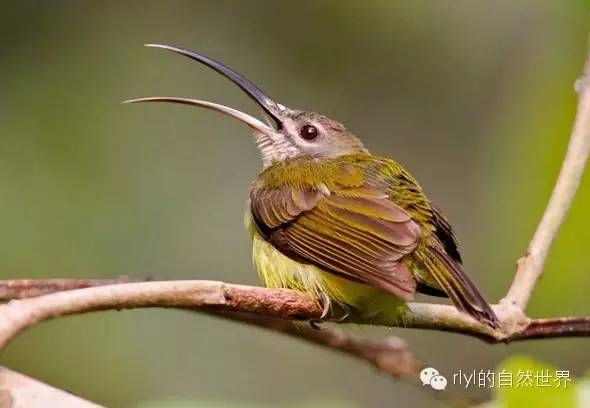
(26, 288)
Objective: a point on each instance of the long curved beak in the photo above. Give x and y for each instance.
(251, 121)
(271, 108)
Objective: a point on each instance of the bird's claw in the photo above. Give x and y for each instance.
(343, 318)
(325, 302)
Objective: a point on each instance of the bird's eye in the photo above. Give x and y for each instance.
(308, 132)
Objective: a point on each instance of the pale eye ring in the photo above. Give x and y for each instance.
(308, 132)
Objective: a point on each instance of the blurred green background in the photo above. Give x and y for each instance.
(475, 98)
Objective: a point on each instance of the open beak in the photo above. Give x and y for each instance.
(271, 109)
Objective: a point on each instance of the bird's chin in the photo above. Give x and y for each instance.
(275, 147)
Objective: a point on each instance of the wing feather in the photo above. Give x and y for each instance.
(370, 223)
(355, 232)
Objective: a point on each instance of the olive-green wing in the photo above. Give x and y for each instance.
(355, 232)
(365, 230)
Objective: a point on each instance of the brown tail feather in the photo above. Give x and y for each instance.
(460, 289)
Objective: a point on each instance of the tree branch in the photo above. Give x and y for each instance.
(18, 315)
(530, 267)
(26, 288)
(222, 298)
(269, 308)
(558, 327)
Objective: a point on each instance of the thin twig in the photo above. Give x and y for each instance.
(26, 288)
(557, 327)
(530, 267)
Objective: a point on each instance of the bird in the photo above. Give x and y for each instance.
(330, 219)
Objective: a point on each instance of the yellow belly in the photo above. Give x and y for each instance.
(276, 270)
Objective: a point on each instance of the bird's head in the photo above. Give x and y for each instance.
(287, 133)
